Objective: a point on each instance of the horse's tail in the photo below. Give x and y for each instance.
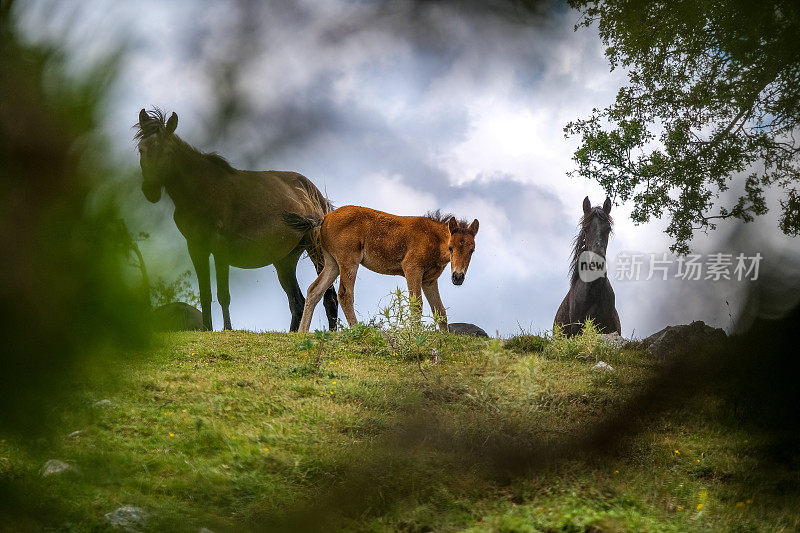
(302, 223)
(316, 205)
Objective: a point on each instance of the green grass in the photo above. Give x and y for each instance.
(252, 431)
(527, 343)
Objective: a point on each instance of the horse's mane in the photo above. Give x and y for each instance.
(579, 244)
(444, 218)
(438, 216)
(158, 123)
(215, 158)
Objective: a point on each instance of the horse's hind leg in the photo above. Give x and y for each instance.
(317, 289)
(287, 276)
(222, 268)
(330, 302)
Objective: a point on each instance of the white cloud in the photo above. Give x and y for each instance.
(389, 193)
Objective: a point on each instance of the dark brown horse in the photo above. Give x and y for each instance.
(233, 214)
(418, 248)
(590, 294)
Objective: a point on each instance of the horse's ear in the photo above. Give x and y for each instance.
(452, 223)
(473, 228)
(172, 123)
(143, 117)
(587, 205)
(607, 205)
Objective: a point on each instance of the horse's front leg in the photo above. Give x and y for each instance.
(431, 291)
(200, 257)
(413, 275)
(222, 267)
(562, 316)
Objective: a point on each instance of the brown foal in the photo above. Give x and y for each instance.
(417, 248)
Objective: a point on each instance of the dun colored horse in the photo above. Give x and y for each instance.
(417, 248)
(590, 294)
(234, 214)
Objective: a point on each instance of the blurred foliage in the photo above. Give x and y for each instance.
(161, 291)
(713, 93)
(129, 248)
(178, 290)
(66, 298)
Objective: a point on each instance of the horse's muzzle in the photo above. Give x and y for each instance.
(458, 278)
(151, 191)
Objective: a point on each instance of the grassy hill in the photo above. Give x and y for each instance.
(272, 431)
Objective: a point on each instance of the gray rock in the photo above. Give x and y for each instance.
(128, 518)
(54, 467)
(464, 328)
(178, 316)
(603, 367)
(614, 340)
(675, 339)
(102, 404)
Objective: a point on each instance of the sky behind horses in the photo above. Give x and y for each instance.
(401, 107)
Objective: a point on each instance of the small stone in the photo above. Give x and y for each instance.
(205, 530)
(75, 435)
(54, 467)
(102, 404)
(603, 367)
(128, 518)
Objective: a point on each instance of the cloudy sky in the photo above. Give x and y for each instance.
(399, 106)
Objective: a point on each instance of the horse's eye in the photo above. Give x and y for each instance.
(451, 249)
(472, 250)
